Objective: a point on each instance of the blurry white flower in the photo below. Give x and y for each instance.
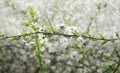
(69, 63)
(51, 48)
(80, 39)
(71, 29)
(64, 41)
(60, 26)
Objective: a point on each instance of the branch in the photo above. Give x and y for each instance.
(88, 28)
(38, 32)
(116, 68)
(99, 9)
(66, 35)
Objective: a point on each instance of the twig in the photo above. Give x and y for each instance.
(88, 28)
(115, 70)
(38, 55)
(67, 35)
(45, 33)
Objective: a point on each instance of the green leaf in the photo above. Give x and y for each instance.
(32, 12)
(90, 51)
(109, 68)
(74, 32)
(13, 5)
(67, 20)
(6, 66)
(27, 23)
(38, 61)
(104, 42)
(107, 57)
(24, 33)
(99, 6)
(93, 39)
(67, 52)
(117, 34)
(37, 51)
(53, 30)
(22, 11)
(101, 35)
(75, 37)
(14, 38)
(112, 40)
(106, 4)
(34, 36)
(84, 34)
(35, 20)
(91, 18)
(6, 2)
(42, 44)
(33, 28)
(1, 35)
(80, 51)
(44, 68)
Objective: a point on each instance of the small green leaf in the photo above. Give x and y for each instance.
(42, 44)
(117, 34)
(106, 4)
(53, 30)
(91, 18)
(1, 35)
(14, 38)
(67, 20)
(22, 11)
(112, 40)
(37, 61)
(74, 32)
(44, 68)
(90, 51)
(35, 20)
(109, 68)
(6, 66)
(33, 28)
(24, 33)
(13, 5)
(99, 6)
(36, 36)
(93, 39)
(101, 35)
(37, 51)
(104, 42)
(6, 2)
(75, 37)
(84, 34)
(80, 51)
(75, 46)
(32, 12)
(67, 52)
(107, 57)
(27, 23)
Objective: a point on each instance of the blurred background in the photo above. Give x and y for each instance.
(61, 54)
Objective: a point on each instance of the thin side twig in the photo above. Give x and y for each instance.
(116, 69)
(90, 23)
